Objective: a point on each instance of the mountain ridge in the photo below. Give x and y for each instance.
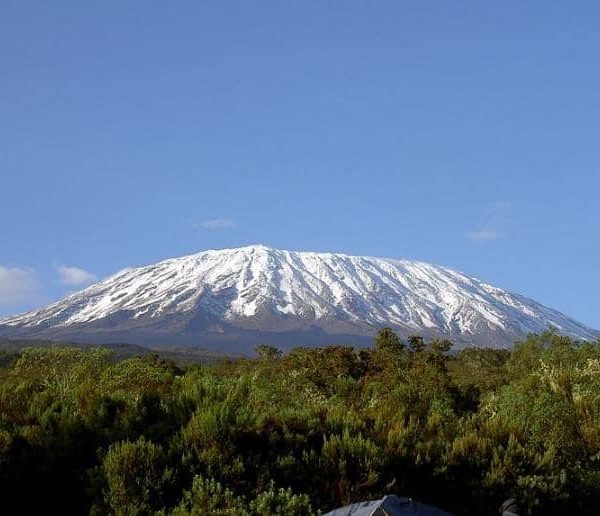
(241, 296)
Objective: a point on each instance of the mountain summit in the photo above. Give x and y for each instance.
(236, 298)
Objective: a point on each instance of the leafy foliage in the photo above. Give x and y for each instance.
(134, 477)
(310, 430)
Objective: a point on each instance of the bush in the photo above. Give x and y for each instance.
(135, 477)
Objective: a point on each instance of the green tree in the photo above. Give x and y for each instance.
(387, 341)
(416, 343)
(207, 496)
(135, 477)
(284, 502)
(267, 352)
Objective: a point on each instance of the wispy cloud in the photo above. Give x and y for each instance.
(214, 224)
(494, 222)
(74, 276)
(17, 285)
(483, 235)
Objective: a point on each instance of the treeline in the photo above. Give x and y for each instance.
(81, 432)
(9, 348)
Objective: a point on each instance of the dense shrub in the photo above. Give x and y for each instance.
(304, 431)
(134, 477)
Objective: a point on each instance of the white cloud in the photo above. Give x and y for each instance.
(17, 285)
(483, 235)
(74, 276)
(494, 223)
(217, 224)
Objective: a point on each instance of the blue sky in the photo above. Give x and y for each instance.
(463, 134)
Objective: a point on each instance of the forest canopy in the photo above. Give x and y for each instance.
(82, 431)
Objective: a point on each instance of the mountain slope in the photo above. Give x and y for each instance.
(238, 297)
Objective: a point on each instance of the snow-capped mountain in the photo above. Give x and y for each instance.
(236, 298)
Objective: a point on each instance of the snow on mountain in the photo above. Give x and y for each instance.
(256, 293)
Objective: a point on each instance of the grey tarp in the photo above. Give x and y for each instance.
(388, 506)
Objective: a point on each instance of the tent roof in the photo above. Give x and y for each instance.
(390, 505)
